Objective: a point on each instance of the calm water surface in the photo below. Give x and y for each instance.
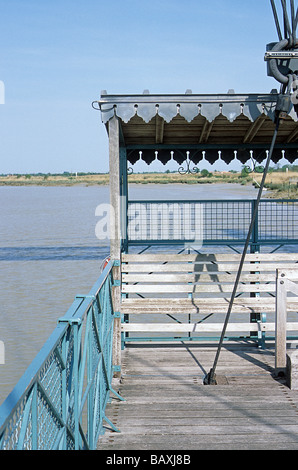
(49, 253)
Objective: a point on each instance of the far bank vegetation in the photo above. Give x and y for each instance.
(281, 181)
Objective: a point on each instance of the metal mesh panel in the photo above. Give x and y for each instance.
(278, 220)
(212, 222)
(11, 432)
(226, 220)
(70, 376)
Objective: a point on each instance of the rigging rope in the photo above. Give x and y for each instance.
(276, 19)
(282, 109)
(210, 378)
(289, 26)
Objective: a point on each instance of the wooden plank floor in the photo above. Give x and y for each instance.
(167, 406)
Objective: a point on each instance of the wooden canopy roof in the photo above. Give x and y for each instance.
(166, 127)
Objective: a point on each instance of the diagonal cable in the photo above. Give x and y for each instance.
(276, 20)
(290, 24)
(210, 377)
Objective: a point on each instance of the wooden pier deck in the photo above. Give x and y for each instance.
(167, 406)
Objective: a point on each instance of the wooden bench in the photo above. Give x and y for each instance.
(191, 293)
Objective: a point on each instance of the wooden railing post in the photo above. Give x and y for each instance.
(115, 234)
(280, 322)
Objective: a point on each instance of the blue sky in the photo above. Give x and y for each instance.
(57, 55)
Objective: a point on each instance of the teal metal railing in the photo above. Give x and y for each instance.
(60, 401)
(212, 222)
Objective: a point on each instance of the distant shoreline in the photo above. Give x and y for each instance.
(104, 179)
(281, 184)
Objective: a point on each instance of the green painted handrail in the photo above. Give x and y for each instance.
(60, 401)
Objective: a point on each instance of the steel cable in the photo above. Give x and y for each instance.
(276, 19)
(289, 26)
(210, 377)
(293, 21)
(287, 81)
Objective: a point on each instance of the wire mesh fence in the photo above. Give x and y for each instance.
(60, 401)
(211, 222)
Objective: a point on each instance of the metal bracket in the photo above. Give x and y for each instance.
(83, 296)
(281, 55)
(283, 106)
(188, 170)
(70, 321)
(281, 62)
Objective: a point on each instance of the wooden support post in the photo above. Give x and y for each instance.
(115, 235)
(124, 197)
(280, 322)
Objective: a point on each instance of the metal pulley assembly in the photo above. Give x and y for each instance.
(283, 105)
(282, 61)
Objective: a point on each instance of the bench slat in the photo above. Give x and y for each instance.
(204, 268)
(201, 327)
(162, 257)
(203, 306)
(204, 301)
(192, 277)
(195, 288)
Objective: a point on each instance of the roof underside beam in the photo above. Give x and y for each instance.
(159, 129)
(198, 127)
(207, 128)
(293, 136)
(254, 128)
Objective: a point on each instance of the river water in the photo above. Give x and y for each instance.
(49, 253)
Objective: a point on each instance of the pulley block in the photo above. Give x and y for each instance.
(282, 61)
